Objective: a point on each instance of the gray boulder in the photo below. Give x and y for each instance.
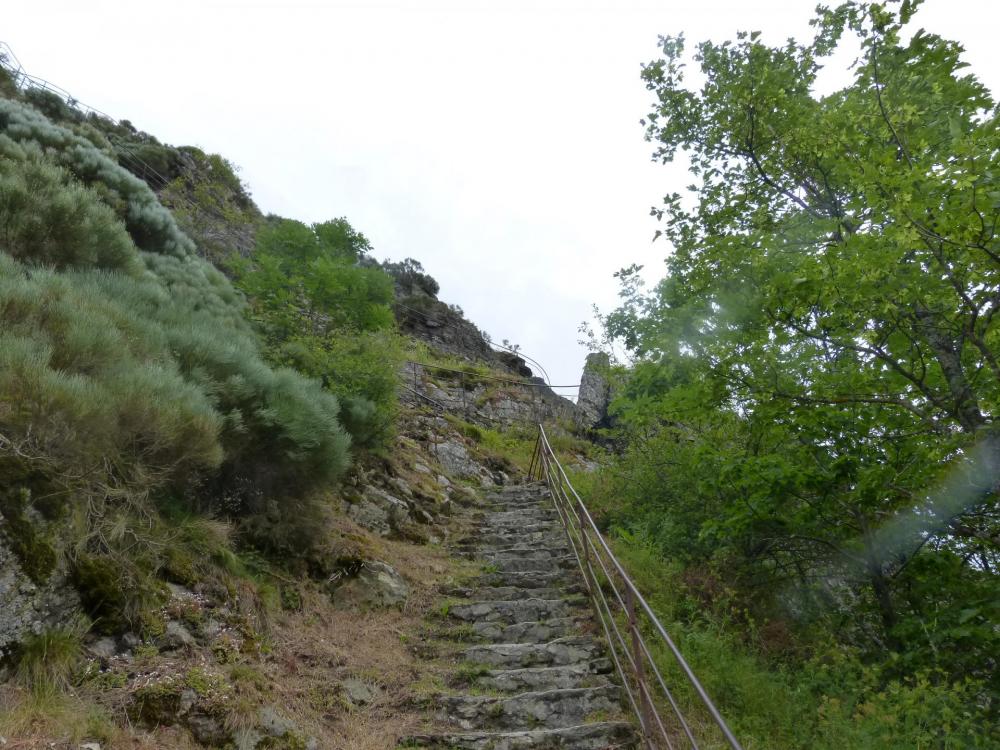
(208, 730)
(455, 459)
(274, 724)
(103, 648)
(175, 637)
(379, 512)
(375, 585)
(358, 692)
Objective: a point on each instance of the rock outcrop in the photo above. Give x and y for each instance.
(489, 401)
(595, 392)
(443, 327)
(30, 606)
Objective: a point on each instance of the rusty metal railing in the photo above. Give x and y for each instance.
(631, 627)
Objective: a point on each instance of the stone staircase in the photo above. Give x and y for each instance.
(536, 676)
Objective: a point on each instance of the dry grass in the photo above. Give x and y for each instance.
(318, 648)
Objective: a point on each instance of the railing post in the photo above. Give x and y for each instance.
(534, 458)
(645, 717)
(584, 539)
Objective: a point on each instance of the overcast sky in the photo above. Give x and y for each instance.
(498, 142)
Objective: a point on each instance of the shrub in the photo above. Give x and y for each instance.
(27, 539)
(410, 278)
(83, 381)
(830, 700)
(161, 375)
(327, 315)
(51, 105)
(361, 369)
(47, 217)
(118, 592)
(131, 377)
(150, 224)
(138, 157)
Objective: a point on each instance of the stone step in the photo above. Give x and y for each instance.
(509, 612)
(605, 735)
(549, 685)
(512, 537)
(519, 489)
(544, 565)
(538, 513)
(520, 521)
(522, 506)
(524, 487)
(531, 579)
(572, 649)
(516, 495)
(493, 556)
(512, 593)
(579, 674)
(525, 552)
(504, 541)
(521, 528)
(549, 708)
(528, 632)
(517, 502)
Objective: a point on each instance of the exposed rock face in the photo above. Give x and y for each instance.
(595, 392)
(443, 328)
(513, 363)
(27, 606)
(446, 329)
(485, 401)
(216, 234)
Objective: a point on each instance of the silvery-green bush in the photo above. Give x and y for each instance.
(151, 225)
(129, 376)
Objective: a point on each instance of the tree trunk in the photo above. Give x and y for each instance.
(880, 586)
(948, 354)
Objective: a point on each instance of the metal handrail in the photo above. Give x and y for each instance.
(477, 376)
(626, 608)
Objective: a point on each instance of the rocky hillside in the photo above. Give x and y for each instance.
(358, 657)
(233, 497)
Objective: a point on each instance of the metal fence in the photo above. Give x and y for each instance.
(632, 629)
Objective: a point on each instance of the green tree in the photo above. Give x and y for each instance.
(309, 278)
(820, 363)
(326, 311)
